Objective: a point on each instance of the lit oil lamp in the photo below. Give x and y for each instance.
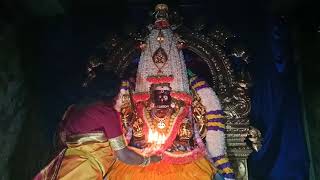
(155, 141)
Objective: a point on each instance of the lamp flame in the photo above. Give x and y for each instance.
(156, 138)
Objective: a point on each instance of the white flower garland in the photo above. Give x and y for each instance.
(175, 66)
(215, 139)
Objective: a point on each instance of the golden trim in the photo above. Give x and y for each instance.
(80, 139)
(67, 111)
(227, 170)
(214, 116)
(117, 143)
(222, 161)
(218, 124)
(94, 161)
(198, 84)
(161, 7)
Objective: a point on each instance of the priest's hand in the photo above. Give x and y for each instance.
(155, 159)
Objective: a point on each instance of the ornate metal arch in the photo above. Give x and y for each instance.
(232, 91)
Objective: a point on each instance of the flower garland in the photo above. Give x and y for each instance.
(182, 114)
(140, 97)
(160, 79)
(215, 137)
(170, 137)
(168, 156)
(185, 97)
(148, 72)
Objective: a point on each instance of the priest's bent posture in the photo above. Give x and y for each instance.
(93, 138)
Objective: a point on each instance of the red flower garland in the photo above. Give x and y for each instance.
(182, 96)
(140, 97)
(175, 128)
(160, 79)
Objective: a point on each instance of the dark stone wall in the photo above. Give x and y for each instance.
(307, 41)
(23, 150)
(25, 147)
(13, 105)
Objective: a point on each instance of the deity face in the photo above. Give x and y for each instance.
(162, 95)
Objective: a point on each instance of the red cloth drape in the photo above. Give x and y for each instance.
(96, 117)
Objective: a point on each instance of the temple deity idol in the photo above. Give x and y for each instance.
(171, 112)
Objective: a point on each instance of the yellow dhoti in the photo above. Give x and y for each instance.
(198, 170)
(95, 161)
(87, 162)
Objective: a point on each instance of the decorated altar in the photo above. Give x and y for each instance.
(192, 111)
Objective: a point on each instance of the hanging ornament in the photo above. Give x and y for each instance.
(160, 58)
(160, 37)
(161, 124)
(141, 45)
(181, 45)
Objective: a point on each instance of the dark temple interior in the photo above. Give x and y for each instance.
(45, 46)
